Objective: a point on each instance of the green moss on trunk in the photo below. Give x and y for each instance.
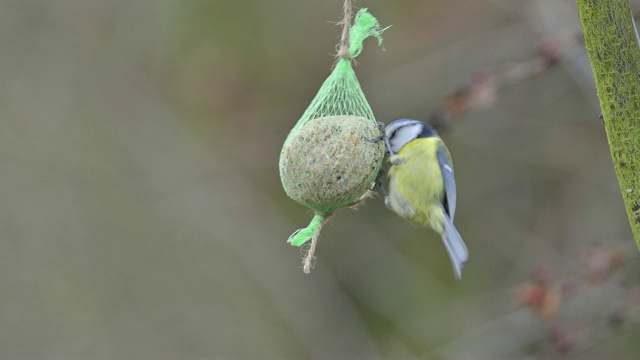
(614, 53)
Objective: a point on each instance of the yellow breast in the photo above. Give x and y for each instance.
(417, 182)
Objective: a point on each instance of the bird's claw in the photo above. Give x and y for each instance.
(381, 126)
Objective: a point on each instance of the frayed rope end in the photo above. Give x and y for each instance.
(311, 232)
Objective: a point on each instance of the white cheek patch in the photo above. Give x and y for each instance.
(404, 135)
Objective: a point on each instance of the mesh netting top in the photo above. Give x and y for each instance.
(340, 94)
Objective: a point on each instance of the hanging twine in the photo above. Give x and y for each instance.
(343, 51)
(314, 234)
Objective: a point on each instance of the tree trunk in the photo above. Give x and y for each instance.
(613, 49)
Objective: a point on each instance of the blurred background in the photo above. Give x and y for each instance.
(142, 216)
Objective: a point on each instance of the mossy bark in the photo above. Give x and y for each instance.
(614, 53)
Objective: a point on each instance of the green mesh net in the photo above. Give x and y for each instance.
(328, 161)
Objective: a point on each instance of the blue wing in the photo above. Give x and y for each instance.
(446, 167)
(452, 240)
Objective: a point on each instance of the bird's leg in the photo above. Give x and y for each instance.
(378, 185)
(386, 142)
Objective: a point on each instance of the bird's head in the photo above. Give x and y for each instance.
(403, 131)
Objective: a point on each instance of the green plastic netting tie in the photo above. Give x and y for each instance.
(340, 94)
(301, 236)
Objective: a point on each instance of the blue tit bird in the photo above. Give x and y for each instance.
(422, 188)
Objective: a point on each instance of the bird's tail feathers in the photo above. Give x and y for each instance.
(455, 246)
